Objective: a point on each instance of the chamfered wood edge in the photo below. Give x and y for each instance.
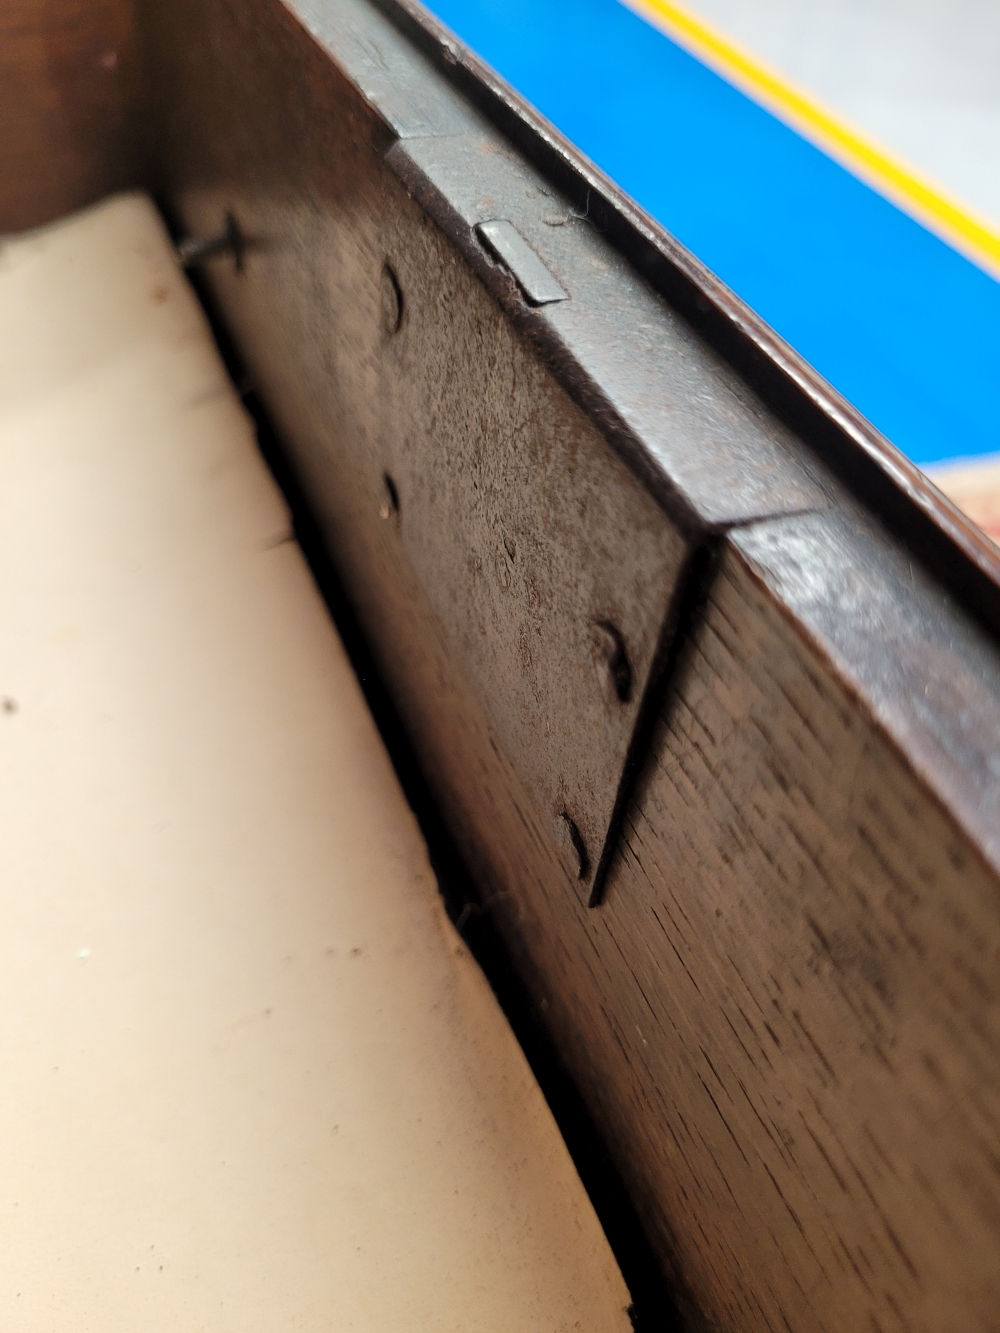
(892, 640)
(870, 465)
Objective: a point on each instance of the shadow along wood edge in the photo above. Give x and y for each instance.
(785, 1014)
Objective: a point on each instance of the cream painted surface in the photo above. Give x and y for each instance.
(920, 77)
(251, 1079)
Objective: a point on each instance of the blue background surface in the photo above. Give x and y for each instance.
(904, 326)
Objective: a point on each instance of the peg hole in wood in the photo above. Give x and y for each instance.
(613, 661)
(579, 846)
(389, 508)
(392, 301)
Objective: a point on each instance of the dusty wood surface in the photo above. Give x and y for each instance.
(70, 125)
(784, 1015)
(798, 990)
(252, 1078)
(405, 391)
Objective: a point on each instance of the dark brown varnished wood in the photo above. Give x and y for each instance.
(788, 1013)
(70, 112)
(784, 1014)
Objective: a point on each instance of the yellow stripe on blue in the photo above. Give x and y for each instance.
(954, 221)
(903, 324)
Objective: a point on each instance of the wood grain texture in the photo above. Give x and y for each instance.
(272, 1090)
(70, 128)
(784, 1016)
(515, 526)
(788, 1012)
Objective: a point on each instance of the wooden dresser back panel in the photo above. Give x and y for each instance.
(70, 123)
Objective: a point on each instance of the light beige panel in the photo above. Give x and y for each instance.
(251, 1078)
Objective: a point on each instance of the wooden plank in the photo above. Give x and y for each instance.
(500, 427)
(70, 89)
(787, 1012)
(252, 1078)
(826, 768)
(509, 485)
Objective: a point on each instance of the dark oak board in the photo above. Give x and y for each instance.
(784, 1011)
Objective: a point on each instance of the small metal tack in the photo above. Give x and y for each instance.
(195, 250)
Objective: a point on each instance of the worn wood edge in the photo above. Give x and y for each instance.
(420, 109)
(840, 437)
(546, 344)
(983, 835)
